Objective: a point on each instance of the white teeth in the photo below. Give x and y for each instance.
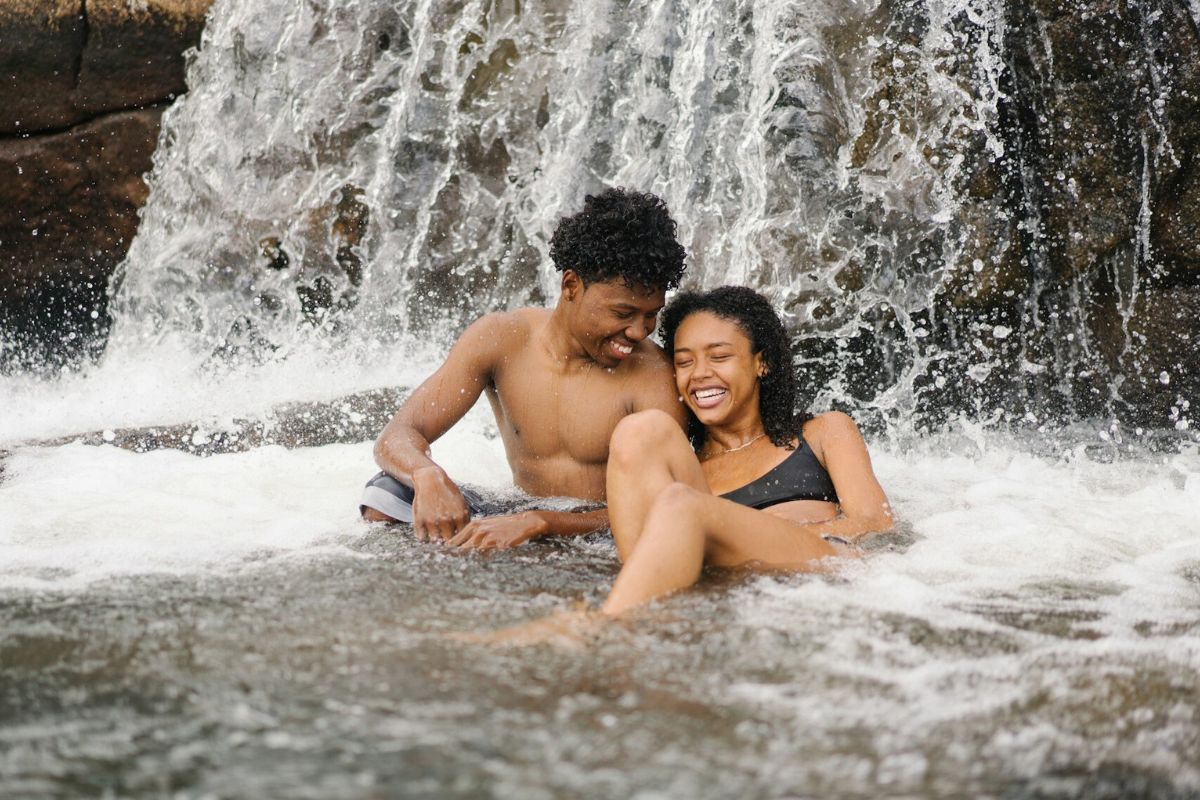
(622, 348)
(704, 394)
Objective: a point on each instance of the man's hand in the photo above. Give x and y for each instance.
(498, 533)
(439, 509)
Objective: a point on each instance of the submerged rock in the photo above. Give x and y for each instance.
(350, 419)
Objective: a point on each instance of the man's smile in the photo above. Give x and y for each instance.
(620, 348)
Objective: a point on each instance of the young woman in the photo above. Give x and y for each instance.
(753, 483)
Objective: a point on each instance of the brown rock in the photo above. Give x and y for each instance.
(1175, 232)
(40, 44)
(134, 52)
(1155, 353)
(68, 210)
(66, 61)
(1108, 92)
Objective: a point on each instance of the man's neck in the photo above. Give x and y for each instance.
(561, 345)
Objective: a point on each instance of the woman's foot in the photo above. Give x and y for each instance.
(571, 629)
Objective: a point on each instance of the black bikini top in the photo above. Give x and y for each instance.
(798, 477)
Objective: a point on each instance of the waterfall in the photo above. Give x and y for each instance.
(347, 174)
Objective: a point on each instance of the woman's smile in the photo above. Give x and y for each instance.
(709, 397)
(716, 370)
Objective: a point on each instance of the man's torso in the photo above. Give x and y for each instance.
(556, 417)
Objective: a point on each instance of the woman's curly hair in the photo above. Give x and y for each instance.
(620, 234)
(753, 313)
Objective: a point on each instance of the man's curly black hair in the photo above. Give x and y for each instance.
(753, 313)
(620, 234)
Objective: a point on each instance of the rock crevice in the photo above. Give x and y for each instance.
(67, 61)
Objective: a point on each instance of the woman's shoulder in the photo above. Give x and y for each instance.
(831, 422)
(830, 429)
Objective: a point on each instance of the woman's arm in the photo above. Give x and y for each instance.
(838, 445)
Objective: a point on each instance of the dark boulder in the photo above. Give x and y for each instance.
(68, 211)
(65, 61)
(83, 84)
(40, 47)
(1105, 137)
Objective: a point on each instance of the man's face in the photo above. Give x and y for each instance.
(611, 318)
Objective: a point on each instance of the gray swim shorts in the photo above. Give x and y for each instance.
(389, 496)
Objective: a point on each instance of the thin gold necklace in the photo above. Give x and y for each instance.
(742, 446)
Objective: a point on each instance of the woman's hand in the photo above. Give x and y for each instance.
(499, 533)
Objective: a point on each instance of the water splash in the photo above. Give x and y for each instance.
(345, 174)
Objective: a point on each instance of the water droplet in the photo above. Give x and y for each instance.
(1164, 378)
(1001, 332)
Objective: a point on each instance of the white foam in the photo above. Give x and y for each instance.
(165, 385)
(1064, 580)
(75, 514)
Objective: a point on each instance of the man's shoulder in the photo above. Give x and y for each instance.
(653, 384)
(650, 357)
(506, 328)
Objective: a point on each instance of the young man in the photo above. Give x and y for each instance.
(558, 381)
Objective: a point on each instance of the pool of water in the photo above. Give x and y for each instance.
(226, 627)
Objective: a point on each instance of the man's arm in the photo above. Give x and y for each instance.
(402, 449)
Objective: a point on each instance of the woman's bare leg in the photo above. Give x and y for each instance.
(687, 528)
(648, 453)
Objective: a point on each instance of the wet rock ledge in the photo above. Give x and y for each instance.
(83, 84)
(349, 419)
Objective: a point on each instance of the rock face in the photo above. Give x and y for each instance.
(69, 202)
(65, 61)
(1072, 261)
(83, 84)
(1104, 144)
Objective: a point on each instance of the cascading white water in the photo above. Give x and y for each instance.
(352, 171)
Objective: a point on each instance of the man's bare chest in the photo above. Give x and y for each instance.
(542, 412)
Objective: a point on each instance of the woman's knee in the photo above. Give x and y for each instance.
(679, 501)
(640, 434)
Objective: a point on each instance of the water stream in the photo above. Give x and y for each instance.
(344, 186)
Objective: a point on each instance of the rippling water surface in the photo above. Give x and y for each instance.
(172, 625)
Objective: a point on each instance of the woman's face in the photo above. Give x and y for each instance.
(716, 373)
